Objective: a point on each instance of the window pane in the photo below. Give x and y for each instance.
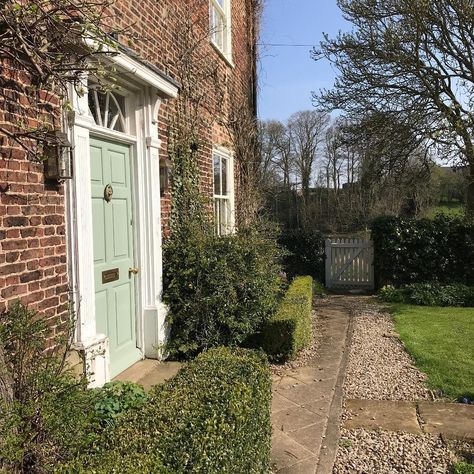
(217, 175)
(217, 216)
(223, 217)
(217, 27)
(225, 165)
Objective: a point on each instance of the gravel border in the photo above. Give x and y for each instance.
(383, 452)
(379, 367)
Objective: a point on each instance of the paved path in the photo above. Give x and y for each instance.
(307, 402)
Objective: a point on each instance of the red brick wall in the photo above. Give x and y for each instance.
(32, 212)
(163, 44)
(32, 237)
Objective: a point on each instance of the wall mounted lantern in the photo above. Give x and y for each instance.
(58, 153)
(166, 168)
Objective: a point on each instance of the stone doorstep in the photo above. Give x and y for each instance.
(149, 372)
(449, 419)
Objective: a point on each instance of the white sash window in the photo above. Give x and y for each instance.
(223, 193)
(219, 26)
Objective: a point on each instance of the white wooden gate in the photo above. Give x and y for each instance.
(349, 263)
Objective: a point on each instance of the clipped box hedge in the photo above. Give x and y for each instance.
(213, 417)
(289, 330)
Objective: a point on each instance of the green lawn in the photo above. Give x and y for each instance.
(441, 341)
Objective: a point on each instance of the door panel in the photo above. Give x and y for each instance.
(114, 252)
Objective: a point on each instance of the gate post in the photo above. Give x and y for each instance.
(328, 263)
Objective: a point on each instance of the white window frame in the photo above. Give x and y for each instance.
(229, 226)
(226, 13)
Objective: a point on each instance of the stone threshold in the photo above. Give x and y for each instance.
(149, 372)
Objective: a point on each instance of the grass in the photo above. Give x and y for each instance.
(463, 468)
(440, 340)
(451, 209)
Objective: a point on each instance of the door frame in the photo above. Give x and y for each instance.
(144, 100)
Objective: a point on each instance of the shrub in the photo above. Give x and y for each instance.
(412, 251)
(305, 252)
(290, 329)
(46, 415)
(429, 294)
(213, 417)
(115, 398)
(390, 294)
(219, 290)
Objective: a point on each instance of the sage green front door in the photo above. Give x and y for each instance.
(113, 251)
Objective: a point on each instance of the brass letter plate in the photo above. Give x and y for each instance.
(110, 275)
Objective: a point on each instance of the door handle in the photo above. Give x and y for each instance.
(133, 270)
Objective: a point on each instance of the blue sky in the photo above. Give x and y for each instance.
(287, 75)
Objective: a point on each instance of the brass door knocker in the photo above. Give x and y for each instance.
(108, 192)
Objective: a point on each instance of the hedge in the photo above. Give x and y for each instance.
(213, 417)
(305, 252)
(289, 330)
(419, 251)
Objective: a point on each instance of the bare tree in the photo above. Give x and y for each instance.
(276, 147)
(267, 138)
(414, 58)
(334, 157)
(307, 129)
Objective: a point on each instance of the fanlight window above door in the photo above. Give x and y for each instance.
(108, 109)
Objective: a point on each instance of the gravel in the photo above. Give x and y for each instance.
(382, 452)
(379, 368)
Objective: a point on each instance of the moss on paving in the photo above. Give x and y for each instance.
(441, 341)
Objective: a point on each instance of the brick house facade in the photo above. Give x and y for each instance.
(68, 241)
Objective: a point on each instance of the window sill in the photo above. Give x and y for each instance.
(222, 54)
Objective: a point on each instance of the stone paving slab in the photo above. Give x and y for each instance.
(287, 452)
(303, 467)
(281, 403)
(452, 420)
(310, 436)
(306, 393)
(382, 414)
(293, 419)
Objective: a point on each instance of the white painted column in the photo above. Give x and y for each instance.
(94, 346)
(154, 312)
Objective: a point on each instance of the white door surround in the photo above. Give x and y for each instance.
(145, 91)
